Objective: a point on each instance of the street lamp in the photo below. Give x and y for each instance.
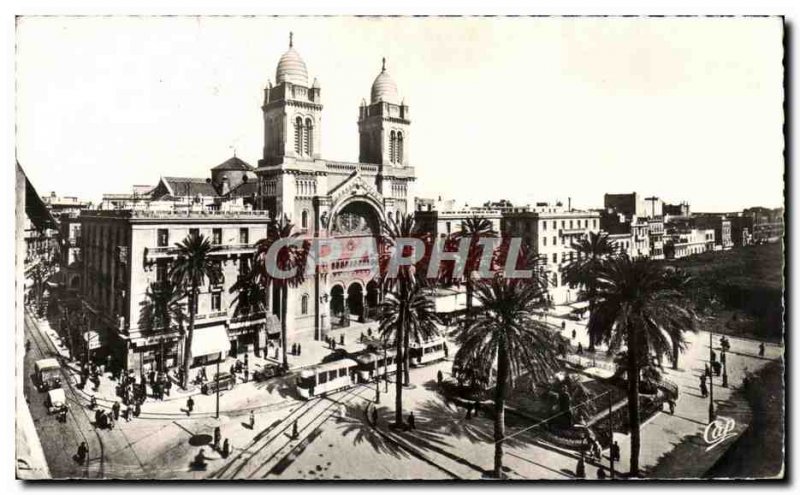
(711, 415)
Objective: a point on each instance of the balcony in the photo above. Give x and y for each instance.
(162, 252)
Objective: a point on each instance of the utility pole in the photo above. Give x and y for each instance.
(216, 380)
(711, 415)
(611, 432)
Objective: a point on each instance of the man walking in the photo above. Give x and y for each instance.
(189, 406)
(115, 409)
(439, 377)
(411, 423)
(83, 453)
(761, 350)
(252, 420)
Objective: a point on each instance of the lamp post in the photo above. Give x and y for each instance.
(216, 380)
(711, 415)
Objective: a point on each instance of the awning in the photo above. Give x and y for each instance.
(211, 340)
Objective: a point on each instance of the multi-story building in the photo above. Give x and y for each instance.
(123, 201)
(680, 243)
(767, 224)
(741, 229)
(622, 242)
(342, 200)
(632, 233)
(550, 231)
(721, 226)
(127, 255)
(444, 218)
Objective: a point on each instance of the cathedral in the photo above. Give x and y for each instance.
(331, 199)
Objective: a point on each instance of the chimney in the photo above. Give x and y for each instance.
(569, 204)
(225, 187)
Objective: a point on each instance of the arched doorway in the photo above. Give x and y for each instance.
(373, 300)
(355, 301)
(337, 309)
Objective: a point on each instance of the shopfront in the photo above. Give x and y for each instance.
(209, 345)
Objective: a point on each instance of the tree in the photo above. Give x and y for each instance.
(509, 337)
(582, 271)
(474, 228)
(290, 257)
(638, 308)
(161, 308)
(192, 266)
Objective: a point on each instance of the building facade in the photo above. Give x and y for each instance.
(550, 231)
(680, 243)
(323, 198)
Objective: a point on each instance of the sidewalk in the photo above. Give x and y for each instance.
(31, 463)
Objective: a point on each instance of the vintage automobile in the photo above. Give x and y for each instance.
(47, 374)
(225, 381)
(268, 371)
(56, 400)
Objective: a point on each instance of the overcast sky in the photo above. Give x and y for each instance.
(528, 109)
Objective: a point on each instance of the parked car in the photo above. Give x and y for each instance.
(267, 371)
(47, 374)
(225, 381)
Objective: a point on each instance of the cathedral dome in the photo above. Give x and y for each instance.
(291, 68)
(384, 89)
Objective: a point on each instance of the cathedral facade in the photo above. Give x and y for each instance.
(332, 199)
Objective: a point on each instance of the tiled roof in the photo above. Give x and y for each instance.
(244, 190)
(234, 164)
(190, 186)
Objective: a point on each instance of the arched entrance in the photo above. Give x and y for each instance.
(337, 309)
(373, 300)
(355, 301)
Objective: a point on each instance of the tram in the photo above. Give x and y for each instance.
(328, 377)
(375, 363)
(427, 352)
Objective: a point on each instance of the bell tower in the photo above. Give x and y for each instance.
(383, 125)
(292, 112)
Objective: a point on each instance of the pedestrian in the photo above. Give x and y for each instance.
(341, 339)
(115, 410)
(722, 358)
(252, 420)
(126, 414)
(707, 370)
(189, 406)
(703, 389)
(83, 453)
(217, 437)
(580, 348)
(601, 474)
(168, 386)
(439, 377)
(761, 350)
(62, 414)
(246, 374)
(469, 411)
(93, 402)
(137, 409)
(412, 425)
(299, 349)
(574, 334)
(375, 416)
(615, 454)
(564, 325)
(333, 344)
(713, 356)
(717, 368)
(98, 414)
(295, 433)
(226, 449)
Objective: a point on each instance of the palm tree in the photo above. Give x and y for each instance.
(474, 228)
(290, 257)
(161, 307)
(637, 307)
(508, 337)
(193, 265)
(582, 271)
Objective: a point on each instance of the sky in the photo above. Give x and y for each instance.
(525, 109)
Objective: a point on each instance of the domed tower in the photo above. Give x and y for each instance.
(383, 125)
(292, 112)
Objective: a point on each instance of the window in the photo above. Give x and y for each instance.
(570, 224)
(544, 225)
(216, 301)
(163, 237)
(399, 150)
(555, 240)
(308, 145)
(555, 257)
(332, 374)
(544, 241)
(304, 219)
(216, 236)
(244, 236)
(298, 135)
(304, 304)
(392, 146)
(161, 271)
(342, 372)
(322, 378)
(194, 232)
(563, 224)
(554, 225)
